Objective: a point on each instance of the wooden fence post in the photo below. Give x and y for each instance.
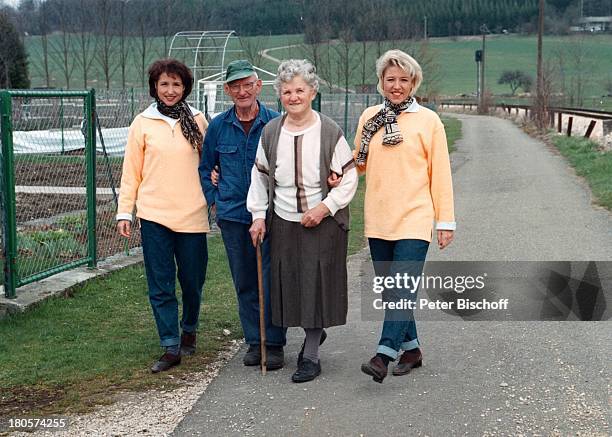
(590, 129)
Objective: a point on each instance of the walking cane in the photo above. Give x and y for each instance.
(262, 324)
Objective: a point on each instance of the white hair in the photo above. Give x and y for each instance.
(291, 68)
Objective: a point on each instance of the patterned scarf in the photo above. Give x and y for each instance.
(180, 111)
(386, 117)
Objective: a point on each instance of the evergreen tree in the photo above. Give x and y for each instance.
(13, 59)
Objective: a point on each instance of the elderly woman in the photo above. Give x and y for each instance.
(307, 222)
(160, 178)
(402, 145)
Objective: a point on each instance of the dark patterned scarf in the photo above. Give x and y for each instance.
(189, 127)
(386, 117)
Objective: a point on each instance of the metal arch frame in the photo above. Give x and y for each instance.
(202, 35)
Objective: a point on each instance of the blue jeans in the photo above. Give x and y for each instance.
(389, 257)
(161, 247)
(242, 258)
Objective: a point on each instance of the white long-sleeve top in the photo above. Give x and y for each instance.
(297, 176)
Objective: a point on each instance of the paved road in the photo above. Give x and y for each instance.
(516, 200)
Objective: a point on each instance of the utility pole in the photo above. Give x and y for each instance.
(425, 27)
(481, 105)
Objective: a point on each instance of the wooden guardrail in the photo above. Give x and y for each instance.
(555, 114)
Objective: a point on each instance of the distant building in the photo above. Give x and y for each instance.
(593, 24)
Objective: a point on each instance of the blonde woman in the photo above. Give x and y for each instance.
(401, 147)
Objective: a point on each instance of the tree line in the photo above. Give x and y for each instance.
(105, 39)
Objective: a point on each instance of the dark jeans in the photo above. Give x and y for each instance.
(392, 257)
(161, 248)
(242, 258)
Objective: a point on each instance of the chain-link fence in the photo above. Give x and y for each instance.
(48, 158)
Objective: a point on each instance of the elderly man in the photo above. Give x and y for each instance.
(230, 145)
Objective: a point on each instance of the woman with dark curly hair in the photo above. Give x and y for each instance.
(161, 181)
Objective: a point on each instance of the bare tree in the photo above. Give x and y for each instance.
(346, 58)
(142, 45)
(61, 47)
(433, 73)
(106, 45)
(164, 18)
(252, 48)
(41, 19)
(576, 67)
(124, 42)
(86, 41)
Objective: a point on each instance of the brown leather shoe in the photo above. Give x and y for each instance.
(166, 362)
(188, 343)
(375, 368)
(409, 360)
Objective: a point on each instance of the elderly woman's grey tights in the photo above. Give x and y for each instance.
(311, 348)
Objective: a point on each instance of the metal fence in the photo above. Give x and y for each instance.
(48, 197)
(62, 154)
(59, 198)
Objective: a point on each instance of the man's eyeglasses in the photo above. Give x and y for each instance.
(245, 86)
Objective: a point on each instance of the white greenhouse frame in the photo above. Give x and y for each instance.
(207, 53)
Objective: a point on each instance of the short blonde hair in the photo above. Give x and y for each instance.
(402, 60)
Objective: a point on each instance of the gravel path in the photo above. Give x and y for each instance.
(152, 413)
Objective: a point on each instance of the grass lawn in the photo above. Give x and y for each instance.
(72, 353)
(452, 126)
(453, 58)
(591, 163)
(454, 62)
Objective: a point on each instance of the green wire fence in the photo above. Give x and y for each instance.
(62, 155)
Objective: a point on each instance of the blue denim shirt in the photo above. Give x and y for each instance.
(226, 145)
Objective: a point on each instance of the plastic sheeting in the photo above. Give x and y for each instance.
(58, 141)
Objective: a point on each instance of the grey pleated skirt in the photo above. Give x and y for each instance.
(308, 275)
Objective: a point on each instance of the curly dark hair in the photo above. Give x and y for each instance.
(170, 66)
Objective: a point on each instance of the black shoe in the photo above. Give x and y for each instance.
(275, 357)
(188, 343)
(301, 354)
(166, 362)
(307, 371)
(252, 356)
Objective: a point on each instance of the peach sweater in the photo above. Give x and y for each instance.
(408, 186)
(160, 174)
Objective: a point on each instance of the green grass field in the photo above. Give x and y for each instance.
(453, 60)
(590, 162)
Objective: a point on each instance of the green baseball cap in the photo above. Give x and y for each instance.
(238, 70)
